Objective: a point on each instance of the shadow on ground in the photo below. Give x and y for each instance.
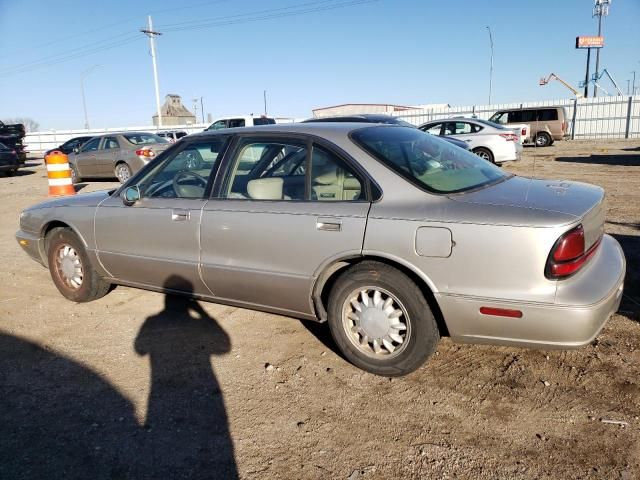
(622, 160)
(631, 297)
(59, 419)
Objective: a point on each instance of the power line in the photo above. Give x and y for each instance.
(255, 17)
(130, 37)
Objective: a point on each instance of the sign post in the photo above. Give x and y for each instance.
(588, 42)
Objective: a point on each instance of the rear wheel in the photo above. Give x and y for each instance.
(123, 172)
(543, 139)
(484, 153)
(70, 268)
(380, 320)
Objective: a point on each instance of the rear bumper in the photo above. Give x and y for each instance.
(542, 325)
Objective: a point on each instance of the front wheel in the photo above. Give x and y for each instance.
(70, 269)
(380, 320)
(123, 172)
(484, 153)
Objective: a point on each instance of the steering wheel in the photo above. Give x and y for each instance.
(188, 191)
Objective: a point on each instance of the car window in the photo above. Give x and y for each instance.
(427, 162)
(143, 138)
(547, 114)
(462, 128)
(236, 122)
(267, 170)
(184, 174)
(449, 128)
(220, 124)
(263, 121)
(499, 117)
(434, 129)
(110, 143)
(331, 179)
(91, 145)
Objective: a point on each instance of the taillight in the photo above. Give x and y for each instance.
(145, 152)
(568, 255)
(509, 137)
(14, 152)
(523, 132)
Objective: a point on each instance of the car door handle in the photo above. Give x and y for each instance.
(329, 224)
(180, 215)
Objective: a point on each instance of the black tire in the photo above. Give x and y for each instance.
(91, 286)
(543, 139)
(75, 176)
(11, 173)
(122, 172)
(484, 153)
(422, 339)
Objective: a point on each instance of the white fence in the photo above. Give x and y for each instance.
(602, 117)
(39, 142)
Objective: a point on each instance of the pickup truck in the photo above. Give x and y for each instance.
(11, 136)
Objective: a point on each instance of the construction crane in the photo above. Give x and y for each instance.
(595, 78)
(553, 76)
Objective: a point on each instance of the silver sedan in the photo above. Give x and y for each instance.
(392, 236)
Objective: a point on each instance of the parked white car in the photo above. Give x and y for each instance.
(240, 121)
(490, 141)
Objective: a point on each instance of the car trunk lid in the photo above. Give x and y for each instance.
(581, 201)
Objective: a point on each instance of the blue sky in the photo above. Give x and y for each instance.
(387, 51)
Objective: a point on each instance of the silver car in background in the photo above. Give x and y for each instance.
(117, 155)
(488, 140)
(392, 236)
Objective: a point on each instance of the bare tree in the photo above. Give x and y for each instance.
(30, 125)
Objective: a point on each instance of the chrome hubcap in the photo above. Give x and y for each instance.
(123, 173)
(483, 155)
(376, 322)
(69, 266)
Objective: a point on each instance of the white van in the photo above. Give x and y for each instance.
(240, 121)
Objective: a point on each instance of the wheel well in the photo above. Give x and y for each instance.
(336, 270)
(45, 231)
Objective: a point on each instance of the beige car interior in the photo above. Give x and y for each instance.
(333, 183)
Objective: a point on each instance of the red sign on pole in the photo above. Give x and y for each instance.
(589, 42)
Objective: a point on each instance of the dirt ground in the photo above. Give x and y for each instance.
(139, 385)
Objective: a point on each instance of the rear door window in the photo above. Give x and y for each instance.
(547, 114)
(236, 122)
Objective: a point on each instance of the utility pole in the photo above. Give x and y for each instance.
(628, 81)
(601, 9)
(151, 34)
(202, 109)
(83, 75)
(633, 89)
(491, 65)
(264, 95)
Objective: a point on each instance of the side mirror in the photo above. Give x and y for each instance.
(130, 195)
(76, 149)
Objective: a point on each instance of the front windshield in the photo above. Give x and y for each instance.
(427, 161)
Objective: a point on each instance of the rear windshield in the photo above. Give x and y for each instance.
(263, 121)
(143, 138)
(426, 161)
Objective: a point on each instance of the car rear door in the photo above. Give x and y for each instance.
(107, 156)
(264, 240)
(155, 241)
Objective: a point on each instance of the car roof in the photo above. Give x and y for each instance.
(361, 117)
(311, 128)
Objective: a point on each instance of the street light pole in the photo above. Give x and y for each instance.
(83, 75)
(633, 89)
(491, 65)
(151, 34)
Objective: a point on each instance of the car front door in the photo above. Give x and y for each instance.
(155, 241)
(286, 208)
(86, 159)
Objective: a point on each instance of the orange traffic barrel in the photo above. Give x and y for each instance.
(59, 174)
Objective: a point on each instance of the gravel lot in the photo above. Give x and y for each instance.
(139, 385)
